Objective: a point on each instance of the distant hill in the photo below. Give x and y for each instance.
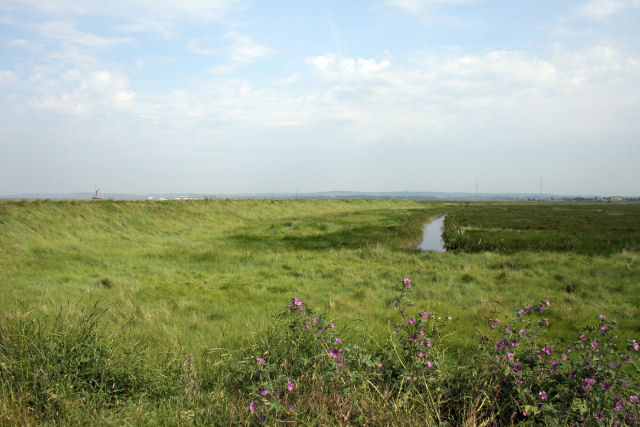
(415, 195)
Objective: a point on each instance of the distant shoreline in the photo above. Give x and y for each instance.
(328, 195)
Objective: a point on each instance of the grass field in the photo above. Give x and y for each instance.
(150, 282)
(584, 228)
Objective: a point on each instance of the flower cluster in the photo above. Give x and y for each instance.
(580, 383)
(316, 346)
(524, 377)
(416, 339)
(271, 392)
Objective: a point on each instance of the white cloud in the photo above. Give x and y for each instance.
(333, 65)
(77, 92)
(68, 33)
(14, 42)
(240, 49)
(165, 28)
(243, 50)
(158, 9)
(598, 10)
(7, 77)
(367, 96)
(236, 48)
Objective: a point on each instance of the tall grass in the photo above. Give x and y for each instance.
(54, 365)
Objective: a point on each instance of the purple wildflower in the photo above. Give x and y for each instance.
(252, 407)
(543, 395)
(260, 360)
(407, 281)
(290, 385)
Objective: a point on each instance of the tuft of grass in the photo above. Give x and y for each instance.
(50, 363)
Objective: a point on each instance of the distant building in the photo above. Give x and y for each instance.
(613, 199)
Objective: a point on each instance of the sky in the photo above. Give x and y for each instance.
(221, 96)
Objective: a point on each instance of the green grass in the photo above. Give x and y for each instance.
(204, 277)
(586, 228)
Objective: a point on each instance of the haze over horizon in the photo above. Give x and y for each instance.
(223, 96)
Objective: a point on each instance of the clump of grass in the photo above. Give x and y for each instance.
(49, 364)
(106, 283)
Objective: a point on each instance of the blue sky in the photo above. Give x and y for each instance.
(225, 96)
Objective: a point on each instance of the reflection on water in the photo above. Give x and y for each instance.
(432, 236)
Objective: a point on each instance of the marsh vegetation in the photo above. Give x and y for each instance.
(157, 312)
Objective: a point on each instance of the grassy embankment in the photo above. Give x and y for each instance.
(204, 277)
